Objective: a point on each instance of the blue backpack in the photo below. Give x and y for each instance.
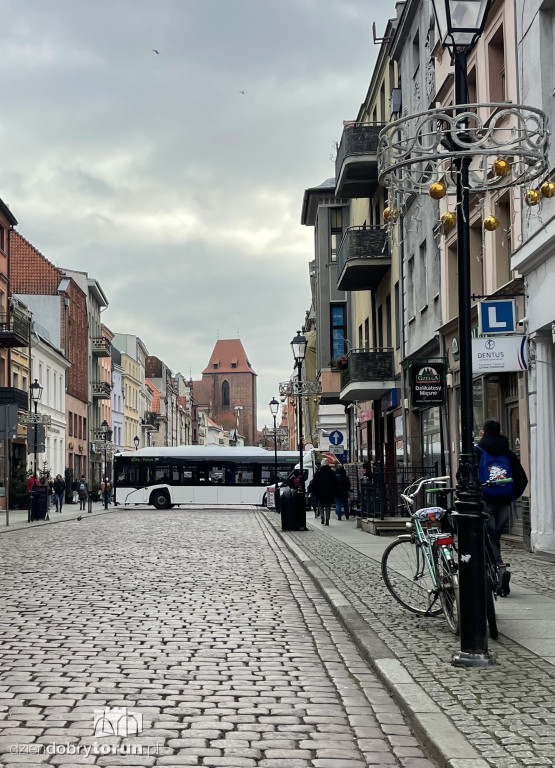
(491, 468)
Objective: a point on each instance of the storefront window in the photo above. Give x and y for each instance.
(431, 437)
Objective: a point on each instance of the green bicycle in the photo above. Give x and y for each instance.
(420, 568)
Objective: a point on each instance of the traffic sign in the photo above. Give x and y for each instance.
(336, 437)
(497, 316)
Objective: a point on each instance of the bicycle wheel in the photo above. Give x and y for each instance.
(448, 582)
(406, 576)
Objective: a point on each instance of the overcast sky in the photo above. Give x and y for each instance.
(155, 173)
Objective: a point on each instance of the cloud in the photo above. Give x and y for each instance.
(179, 194)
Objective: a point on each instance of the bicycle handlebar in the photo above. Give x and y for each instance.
(425, 481)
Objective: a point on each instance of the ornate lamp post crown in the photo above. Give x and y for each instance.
(36, 391)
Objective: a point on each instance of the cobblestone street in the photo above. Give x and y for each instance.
(507, 711)
(202, 623)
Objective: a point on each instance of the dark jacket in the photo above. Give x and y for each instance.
(498, 445)
(59, 486)
(343, 483)
(324, 485)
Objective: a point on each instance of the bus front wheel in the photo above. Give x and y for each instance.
(160, 500)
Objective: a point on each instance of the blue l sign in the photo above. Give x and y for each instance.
(497, 316)
(336, 437)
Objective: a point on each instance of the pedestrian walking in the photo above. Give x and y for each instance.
(498, 462)
(323, 486)
(342, 493)
(82, 492)
(74, 490)
(106, 490)
(59, 492)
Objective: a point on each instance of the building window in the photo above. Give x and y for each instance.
(410, 289)
(225, 394)
(2, 238)
(397, 323)
(338, 331)
(496, 66)
(336, 231)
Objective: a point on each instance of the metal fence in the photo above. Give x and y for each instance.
(380, 494)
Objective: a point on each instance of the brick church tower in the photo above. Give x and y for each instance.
(233, 388)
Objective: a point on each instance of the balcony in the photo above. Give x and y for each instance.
(14, 330)
(369, 374)
(9, 395)
(356, 164)
(363, 258)
(101, 347)
(101, 389)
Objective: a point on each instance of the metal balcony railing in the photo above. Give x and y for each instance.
(14, 330)
(363, 258)
(101, 347)
(372, 365)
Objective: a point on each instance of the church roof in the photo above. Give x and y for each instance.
(228, 356)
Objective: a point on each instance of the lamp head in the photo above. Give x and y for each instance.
(274, 406)
(105, 426)
(36, 391)
(136, 441)
(460, 22)
(298, 345)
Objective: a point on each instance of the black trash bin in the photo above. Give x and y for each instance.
(39, 502)
(292, 506)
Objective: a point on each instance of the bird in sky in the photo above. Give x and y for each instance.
(243, 92)
(155, 51)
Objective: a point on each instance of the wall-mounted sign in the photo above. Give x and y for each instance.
(501, 353)
(497, 316)
(427, 384)
(365, 416)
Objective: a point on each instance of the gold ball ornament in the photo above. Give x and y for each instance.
(532, 197)
(548, 189)
(501, 167)
(390, 214)
(491, 223)
(437, 190)
(448, 219)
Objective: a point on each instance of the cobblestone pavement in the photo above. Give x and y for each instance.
(506, 712)
(200, 621)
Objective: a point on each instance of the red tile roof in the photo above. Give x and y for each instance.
(155, 396)
(228, 356)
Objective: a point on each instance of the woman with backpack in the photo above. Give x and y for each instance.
(82, 492)
(496, 461)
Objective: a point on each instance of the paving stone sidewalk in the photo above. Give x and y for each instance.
(204, 623)
(505, 712)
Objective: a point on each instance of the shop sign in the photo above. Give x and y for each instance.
(365, 416)
(427, 384)
(502, 353)
(390, 400)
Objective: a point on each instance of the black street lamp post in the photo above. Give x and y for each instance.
(298, 346)
(107, 434)
(36, 394)
(460, 25)
(274, 408)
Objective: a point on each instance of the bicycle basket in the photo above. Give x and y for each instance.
(428, 514)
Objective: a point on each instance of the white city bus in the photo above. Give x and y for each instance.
(196, 474)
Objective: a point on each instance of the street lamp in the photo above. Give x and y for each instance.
(35, 391)
(298, 347)
(136, 441)
(107, 435)
(274, 408)
(460, 23)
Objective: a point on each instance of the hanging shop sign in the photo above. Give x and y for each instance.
(427, 384)
(502, 353)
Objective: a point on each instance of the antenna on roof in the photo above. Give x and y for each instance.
(378, 40)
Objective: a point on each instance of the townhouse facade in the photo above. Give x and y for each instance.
(396, 272)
